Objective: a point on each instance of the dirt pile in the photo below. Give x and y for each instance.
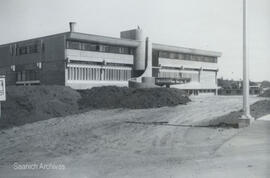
(26, 104)
(257, 110)
(266, 93)
(123, 97)
(260, 108)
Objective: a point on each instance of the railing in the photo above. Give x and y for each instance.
(171, 81)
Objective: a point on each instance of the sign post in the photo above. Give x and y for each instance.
(2, 91)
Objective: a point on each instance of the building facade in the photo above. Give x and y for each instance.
(83, 61)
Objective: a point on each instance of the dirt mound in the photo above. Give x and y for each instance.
(123, 97)
(266, 93)
(26, 104)
(260, 108)
(257, 110)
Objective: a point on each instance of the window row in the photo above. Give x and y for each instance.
(79, 73)
(27, 75)
(192, 76)
(169, 75)
(99, 47)
(190, 57)
(22, 50)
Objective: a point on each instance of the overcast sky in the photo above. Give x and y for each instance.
(204, 24)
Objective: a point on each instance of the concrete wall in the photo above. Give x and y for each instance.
(5, 56)
(53, 73)
(54, 49)
(10, 75)
(137, 34)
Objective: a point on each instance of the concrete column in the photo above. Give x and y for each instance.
(200, 73)
(97, 74)
(75, 74)
(101, 74)
(66, 74)
(216, 78)
(85, 73)
(139, 62)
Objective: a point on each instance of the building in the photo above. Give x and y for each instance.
(83, 60)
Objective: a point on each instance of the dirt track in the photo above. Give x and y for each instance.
(101, 144)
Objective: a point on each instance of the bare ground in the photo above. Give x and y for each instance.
(120, 143)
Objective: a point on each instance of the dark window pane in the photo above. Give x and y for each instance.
(73, 45)
(90, 47)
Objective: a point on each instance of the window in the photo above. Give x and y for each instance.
(23, 50)
(29, 49)
(173, 55)
(114, 49)
(99, 47)
(90, 47)
(104, 48)
(33, 48)
(192, 76)
(131, 51)
(182, 56)
(195, 58)
(27, 75)
(73, 45)
(164, 54)
(124, 50)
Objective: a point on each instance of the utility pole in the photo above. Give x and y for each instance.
(246, 119)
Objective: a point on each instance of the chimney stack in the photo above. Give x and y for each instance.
(72, 26)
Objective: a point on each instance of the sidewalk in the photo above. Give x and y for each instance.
(245, 155)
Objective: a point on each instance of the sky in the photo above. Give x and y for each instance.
(209, 24)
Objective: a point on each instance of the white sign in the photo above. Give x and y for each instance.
(2, 88)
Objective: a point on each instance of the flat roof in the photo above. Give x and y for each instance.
(102, 39)
(36, 38)
(163, 47)
(124, 42)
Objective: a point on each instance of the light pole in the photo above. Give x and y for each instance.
(246, 119)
